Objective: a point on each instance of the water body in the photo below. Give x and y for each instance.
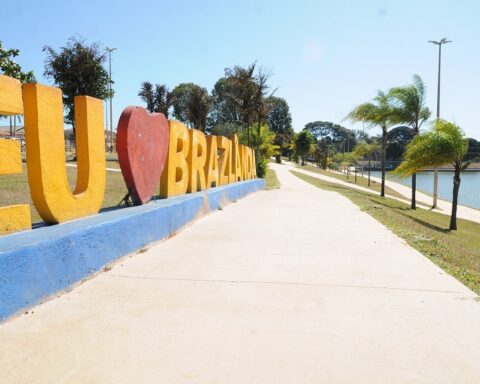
(469, 188)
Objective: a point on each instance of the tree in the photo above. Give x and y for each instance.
(473, 150)
(280, 122)
(322, 153)
(267, 148)
(408, 107)
(397, 140)
(364, 149)
(191, 105)
(238, 98)
(78, 69)
(9, 67)
(303, 142)
(377, 113)
(345, 160)
(342, 138)
(446, 144)
(158, 98)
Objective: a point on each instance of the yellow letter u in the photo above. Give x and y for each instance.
(44, 135)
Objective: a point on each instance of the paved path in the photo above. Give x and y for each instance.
(443, 207)
(295, 285)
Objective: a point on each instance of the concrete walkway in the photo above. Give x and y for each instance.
(295, 285)
(443, 207)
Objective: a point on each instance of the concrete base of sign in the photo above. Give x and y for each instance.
(36, 264)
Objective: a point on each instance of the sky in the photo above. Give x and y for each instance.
(325, 57)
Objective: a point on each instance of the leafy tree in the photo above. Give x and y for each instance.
(303, 141)
(446, 144)
(397, 140)
(9, 67)
(473, 149)
(226, 129)
(377, 113)
(345, 160)
(341, 137)
(280, 122)
(238, 98)
(78, 69)
(191, 105)
(321, 153)
(158, 98)
(408, 107)
(224, 109)
(267, 148)
(364, 149)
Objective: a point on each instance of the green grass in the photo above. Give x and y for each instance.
(271, 180)
(14, 189)
(361, 181)
(456, 252)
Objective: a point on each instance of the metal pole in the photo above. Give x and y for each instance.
(435, 173)
(110, 50)
(110, 86)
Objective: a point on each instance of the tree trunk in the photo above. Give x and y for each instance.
(369, 166)
(384, 155)
(257, 156)
(456, 188)
(413, 204)
(414, 189)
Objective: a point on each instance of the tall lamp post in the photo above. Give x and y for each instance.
(110, 50)
(435, 175)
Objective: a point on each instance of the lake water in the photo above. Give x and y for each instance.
(469, 194)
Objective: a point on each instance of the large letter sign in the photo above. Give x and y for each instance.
(151, 151)
(12, 217)
(44, 136)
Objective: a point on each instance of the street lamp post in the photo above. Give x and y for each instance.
(435, 175)
(110, 50)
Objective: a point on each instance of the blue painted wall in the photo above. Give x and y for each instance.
(36, 264)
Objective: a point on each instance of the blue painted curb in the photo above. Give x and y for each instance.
(36, 264)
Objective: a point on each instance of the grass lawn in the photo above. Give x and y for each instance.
(361, 181)
(14, 189)
(456, 252)
(271, 180)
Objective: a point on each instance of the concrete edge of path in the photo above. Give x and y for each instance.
(443, 207)
(37, 264)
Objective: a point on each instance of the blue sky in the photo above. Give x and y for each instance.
(325, 56)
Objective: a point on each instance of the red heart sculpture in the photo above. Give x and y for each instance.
(142, 146)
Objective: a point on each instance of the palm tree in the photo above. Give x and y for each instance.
(366, 149)
(377, 113)
(408, 107)
(446, 144)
